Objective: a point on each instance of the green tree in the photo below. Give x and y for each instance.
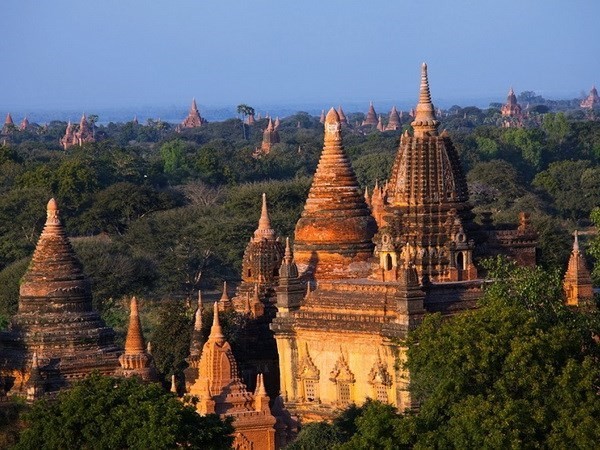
(520, 371)
(113, 413)
(245, 110)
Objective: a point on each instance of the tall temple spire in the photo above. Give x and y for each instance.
(335, 213)
(134, 343)
(425, 121)
(225, 303)
(216, 332)
(8, 120)
(264, 230)
(577, 283)
(136, 361)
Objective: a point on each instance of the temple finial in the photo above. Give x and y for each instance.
(425, 122)
(287, 258)
(576, 241)
(333, 126)
(264, 230)
(216, 332)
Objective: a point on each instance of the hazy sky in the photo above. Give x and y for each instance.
(84, 54)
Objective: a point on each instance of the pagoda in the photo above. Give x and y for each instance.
(577, 283)
(393, 121)
(428, 218)
(371, 118)
(511, 111)
(341, 343)
(55, 319)
(24, 124)
(136, 361)
(220, 390)
(68, 140)
(85, 132)
(592, 100)
(9, 125)
(193, 119)
(270, 137)
(343, 118)
(333, 237)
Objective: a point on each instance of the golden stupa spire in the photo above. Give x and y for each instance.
(216, 332)
(425, 122)
(134, 343)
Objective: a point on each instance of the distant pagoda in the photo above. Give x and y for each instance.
(393, 121)
(511, 111)
(270, 136)
(371, 118)
(193, 119)
(577, 283)
(592, 100)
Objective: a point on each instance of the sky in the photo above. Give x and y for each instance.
(127, 53)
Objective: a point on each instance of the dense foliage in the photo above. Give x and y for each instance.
(112, 413)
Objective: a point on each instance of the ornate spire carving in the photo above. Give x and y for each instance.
(425, 121)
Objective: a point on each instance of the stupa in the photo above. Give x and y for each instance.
(333, 237)
(193, 119)
(592, 100)
(55, 319)
(371, 118)
(577, 283)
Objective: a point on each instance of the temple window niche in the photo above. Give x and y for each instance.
(344, 380)
(309, 379)
(381, 380)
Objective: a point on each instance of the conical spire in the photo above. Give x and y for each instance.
(425, 121)
(394, 120)
(216, 332)
(270, 125)
(9, 120)
(578, 282)
(225, 302)
(343, 118)
(322, 118)
(380, 123)
(288, 257)
(198, 314)
(264, 230)
(277, 123)
(134, 343)
(335, 213)
(194, 107)
(371, 118)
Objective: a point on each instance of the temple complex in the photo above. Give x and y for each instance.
(393, 121)
(577, 283)
(82, 135)
(511, 111)
(56, 334)
(136, 361)
(270, 136)
(220, 390)
(193, 119)
(374, 267)
(371, 118)
(592, 100)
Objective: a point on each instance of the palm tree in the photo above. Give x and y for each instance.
(245, 110)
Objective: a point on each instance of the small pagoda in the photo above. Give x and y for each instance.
(193, 119)
(592, 100)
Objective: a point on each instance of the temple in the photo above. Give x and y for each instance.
(219, 389)
(511, 111)
(343, 118)
(270, 136)
(373, 266)
(136, 361)
(82, 135)
(9, 125)
(577, 282)
(371, 118)
(592, 100)
(193, 119)
(56, 334)
(393, 121)
(24, 124)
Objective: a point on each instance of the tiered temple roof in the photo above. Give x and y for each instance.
(511, 111)
(592, 100)
(193, 119)
(429, 214)
(336, 228)
(55, 317)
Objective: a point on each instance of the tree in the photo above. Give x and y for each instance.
(245, 111)
(521, 370)
(113, 413)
